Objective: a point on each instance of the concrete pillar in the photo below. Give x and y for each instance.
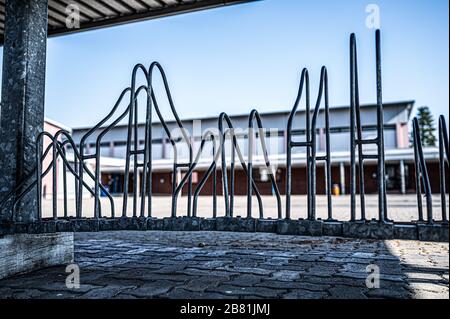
(322, 142)
(402, 177)
(23, 84)
(342, 177)
(402, 135)
(179, 177)
(139, 182)
(111, 149)
(163, 151)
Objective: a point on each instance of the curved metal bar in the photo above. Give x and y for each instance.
(180, 126)
(82, 145)
(355, 117)
(304, 85)
(106, 118)
(172, 142)
(74, 173)
(381, 169)
(192, 168)
(84, 167)
(443, 162)
(25, 180)
(97, 153)
(444, 134)
(254, 115)
(132, 131)
(64, 172)
(40, 174)
(52, 165)
(229, 195)
(323, 90)
(358, 141)
(211, 170)
(66, 134)
(421, 174)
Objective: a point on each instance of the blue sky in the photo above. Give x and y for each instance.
(249, 56)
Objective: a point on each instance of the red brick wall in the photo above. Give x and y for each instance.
(433, 173)
(161, 183)
(299, 181)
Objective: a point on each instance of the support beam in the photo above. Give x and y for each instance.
(342, 177)
(402, 177)
(22, 108)
(139, 182)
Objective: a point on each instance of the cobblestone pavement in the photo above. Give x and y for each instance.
(193, 265)
(401, 208)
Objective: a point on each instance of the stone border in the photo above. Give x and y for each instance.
(21, 253)
(367, 230)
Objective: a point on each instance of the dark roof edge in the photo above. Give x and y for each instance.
(407, 104)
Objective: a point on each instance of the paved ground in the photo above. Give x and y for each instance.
(238, 265)
(402, 208)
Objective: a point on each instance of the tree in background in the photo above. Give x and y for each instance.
(426, 125)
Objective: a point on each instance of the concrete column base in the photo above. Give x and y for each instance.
(181, 224)
(358, 229)
(435, 232)
(246, 225)
(267, 226)
(21, 253)
(368, 229)
(300, 227)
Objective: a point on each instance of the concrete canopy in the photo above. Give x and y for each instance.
(102, 13)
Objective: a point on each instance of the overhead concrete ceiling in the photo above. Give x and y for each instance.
(103, 13)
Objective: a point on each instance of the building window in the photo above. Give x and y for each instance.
(262, 175)
(393, 177)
